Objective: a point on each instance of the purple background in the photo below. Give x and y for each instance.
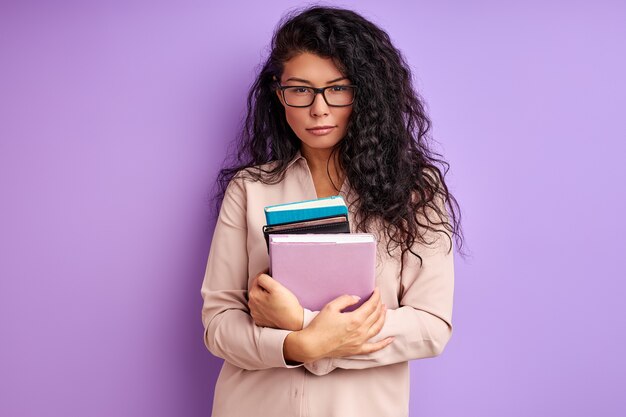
(114, 120)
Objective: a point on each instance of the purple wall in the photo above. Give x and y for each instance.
(114, 120)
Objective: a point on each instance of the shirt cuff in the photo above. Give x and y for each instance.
(321, 366)
(308, 317)
(271, 347)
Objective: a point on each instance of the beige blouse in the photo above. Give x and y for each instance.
(254, 379)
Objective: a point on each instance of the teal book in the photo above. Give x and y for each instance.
(306, 210)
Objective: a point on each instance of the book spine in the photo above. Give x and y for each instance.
(288, 216)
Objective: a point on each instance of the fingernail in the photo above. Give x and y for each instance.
(356, 297)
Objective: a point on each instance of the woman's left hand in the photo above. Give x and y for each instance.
(273, 305)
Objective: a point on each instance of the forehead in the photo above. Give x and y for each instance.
(311, 67)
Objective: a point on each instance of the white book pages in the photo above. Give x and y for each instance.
(324, 238)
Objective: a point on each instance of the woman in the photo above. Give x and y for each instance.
(332, 112)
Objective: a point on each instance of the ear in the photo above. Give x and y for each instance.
(278, 92)
(280, 96)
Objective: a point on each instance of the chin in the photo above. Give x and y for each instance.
(320, 145)
(320, 142)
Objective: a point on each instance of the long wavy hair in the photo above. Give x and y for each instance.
(385, 153)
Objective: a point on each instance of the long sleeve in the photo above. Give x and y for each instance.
(422, 325)
(229, 331)
(239, 251)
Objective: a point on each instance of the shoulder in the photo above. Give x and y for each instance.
(255, 170)
(268, 173)
(433, 176)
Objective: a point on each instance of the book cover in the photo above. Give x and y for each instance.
(305, 210)
(318, 268)
(333, 224)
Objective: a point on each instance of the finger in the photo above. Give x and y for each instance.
(252, 303)
(268, 283)
(375, 316)
(375, 347)
(255, 280)
(378, 324)
(257, 295)
(254, 286)
(368, 307)
(265, 271)
(342, 302)
(271, 285)
(256, 315)
(254, 290)
(373, 301)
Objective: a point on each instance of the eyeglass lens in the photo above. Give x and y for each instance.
(304, 96)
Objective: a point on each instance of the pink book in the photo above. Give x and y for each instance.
(318, 268)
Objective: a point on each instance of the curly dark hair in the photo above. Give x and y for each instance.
(385, 153)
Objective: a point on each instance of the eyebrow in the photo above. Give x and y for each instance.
(309, 82)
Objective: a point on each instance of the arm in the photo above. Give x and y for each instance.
(367, 336)
(331, 334)
(357, 336)
(422, 325)
(229, 331)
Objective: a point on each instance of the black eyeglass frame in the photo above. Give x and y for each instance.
(316, 91)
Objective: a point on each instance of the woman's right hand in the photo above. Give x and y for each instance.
(336, 334)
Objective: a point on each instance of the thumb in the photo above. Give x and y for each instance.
(268, 283)
(343, 301)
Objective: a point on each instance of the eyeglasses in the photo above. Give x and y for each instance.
(302, 96)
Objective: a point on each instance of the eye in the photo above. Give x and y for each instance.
(298, 91)
(339, 88)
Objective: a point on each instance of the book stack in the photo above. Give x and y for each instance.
(314, 255)
(322, 215)
(317, 268)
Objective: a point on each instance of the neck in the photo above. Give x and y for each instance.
(321, 164)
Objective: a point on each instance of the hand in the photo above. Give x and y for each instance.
(273, 305)
(336, 334)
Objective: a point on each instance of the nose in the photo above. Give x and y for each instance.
(319, 106)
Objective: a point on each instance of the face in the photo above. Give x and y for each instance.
(311, 70)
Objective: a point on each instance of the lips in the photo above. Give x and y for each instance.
(321, 130)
